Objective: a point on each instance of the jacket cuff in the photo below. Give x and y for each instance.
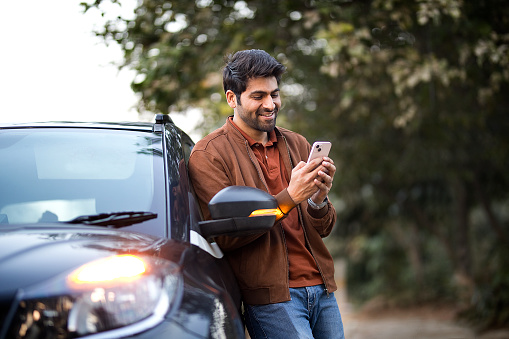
(318, 213)
(285, 202)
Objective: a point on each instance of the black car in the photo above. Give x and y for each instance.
(101, 237)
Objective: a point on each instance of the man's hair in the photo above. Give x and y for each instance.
(245, 65)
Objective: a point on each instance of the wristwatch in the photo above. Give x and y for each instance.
(317, 206)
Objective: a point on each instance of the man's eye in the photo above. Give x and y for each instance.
(275, 95)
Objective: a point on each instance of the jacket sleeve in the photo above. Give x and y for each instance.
(322, 220)
(209, 175)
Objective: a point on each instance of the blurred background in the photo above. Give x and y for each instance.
(54, 68)
(412, 95)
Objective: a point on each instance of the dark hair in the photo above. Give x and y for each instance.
(249, 64)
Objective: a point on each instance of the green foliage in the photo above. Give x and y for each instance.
(490, 300)
(413, 96)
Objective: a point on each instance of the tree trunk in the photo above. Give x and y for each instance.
(463, 263)
(486, 204)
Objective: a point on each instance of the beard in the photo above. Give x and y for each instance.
(259, 124)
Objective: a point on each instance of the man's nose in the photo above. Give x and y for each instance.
(269, 103)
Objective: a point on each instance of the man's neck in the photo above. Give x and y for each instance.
(261, 137)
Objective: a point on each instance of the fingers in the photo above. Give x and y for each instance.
(323, 189)
(324, 181)
(328, 162)
(326, 171)
(313, 164)
(325, 178)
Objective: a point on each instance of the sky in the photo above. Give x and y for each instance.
(52, 67)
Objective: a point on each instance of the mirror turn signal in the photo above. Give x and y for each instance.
(267, 211)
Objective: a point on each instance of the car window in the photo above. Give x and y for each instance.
(59, 174)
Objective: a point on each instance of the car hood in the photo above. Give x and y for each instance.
(31, 255)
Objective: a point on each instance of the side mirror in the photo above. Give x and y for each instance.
(239, 211)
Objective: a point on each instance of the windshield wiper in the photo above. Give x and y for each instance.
(115, 220)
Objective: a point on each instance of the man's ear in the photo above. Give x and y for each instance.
(231, 98)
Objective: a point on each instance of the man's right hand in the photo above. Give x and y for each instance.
(302, 183)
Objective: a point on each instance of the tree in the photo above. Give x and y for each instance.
(412, 95)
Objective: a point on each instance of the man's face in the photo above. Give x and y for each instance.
(259, 104)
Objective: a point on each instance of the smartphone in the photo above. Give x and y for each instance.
(319, 149)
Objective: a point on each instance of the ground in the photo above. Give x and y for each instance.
(427, 322)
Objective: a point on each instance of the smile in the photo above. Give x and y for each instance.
(268, 115)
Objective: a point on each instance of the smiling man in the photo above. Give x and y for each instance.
(286, 275)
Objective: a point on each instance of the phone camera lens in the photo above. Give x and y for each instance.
(319, 149)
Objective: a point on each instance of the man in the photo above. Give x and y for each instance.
(286, 275)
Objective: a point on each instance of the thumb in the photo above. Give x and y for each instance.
(300, 165)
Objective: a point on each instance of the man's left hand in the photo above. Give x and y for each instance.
(324, 180)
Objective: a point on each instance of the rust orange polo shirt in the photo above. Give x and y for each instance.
(302, 265)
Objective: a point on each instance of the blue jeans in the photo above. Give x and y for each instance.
(310, 314)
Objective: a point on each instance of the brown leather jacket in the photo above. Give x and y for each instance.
(260, 262)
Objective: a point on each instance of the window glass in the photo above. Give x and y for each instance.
(52, 175)
(80, 156)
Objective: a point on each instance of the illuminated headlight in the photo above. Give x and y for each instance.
(100, 296)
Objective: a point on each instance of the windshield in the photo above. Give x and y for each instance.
(49, 175)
